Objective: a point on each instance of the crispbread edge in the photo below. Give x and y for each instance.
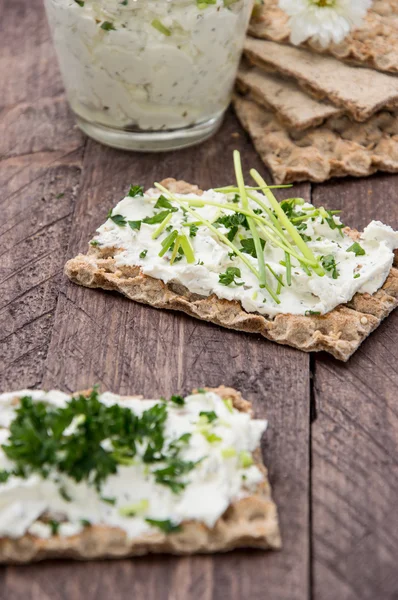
(251, 522)
(339, 332)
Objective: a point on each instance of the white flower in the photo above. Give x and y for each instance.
(323, 21)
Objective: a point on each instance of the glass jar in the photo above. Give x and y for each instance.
(148, 74)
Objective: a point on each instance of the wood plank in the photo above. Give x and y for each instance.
(41, 156)
(355, 437)
(102, 337)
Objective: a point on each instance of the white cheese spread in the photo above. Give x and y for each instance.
(148, 64)
(220, 444)
(353, 267)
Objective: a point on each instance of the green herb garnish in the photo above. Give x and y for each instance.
(162, 202)
(210, 415)
(80, 3)
(308, 313)
(136, 190)
(64, 494)
(357, 249)
(108, 26)
(193, 230)
(38, 442)
(160, 27)
(117, 219)
(111, 501)
(135, 225)
(4, 475)
(329, 264)
(54, 526)
(85, 523)
(230, 276)
(178, 400)
(166, 526)
(143, 253)
(171, 474)
(248, 246)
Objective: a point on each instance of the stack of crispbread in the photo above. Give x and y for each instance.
(312, 113)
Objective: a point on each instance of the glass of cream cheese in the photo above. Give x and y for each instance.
(148, 74)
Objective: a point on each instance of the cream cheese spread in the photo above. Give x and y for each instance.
(148, 64)
(349, 267)
(218, 442)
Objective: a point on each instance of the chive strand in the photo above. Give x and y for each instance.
(253, 229)
(290, 228)
(209, 226)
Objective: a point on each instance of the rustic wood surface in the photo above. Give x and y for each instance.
(332, 442)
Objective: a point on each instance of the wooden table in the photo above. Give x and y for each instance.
(333, 437)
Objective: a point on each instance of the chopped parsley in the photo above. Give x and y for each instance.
(170, 474)
(64, 494)
(166, 526)
(117, 219)
(94, 243)
(80, 3)
(108, 26)
(230, 276)
(158, 218)
(210, 415)
(4, 475)
(54, 526)
(357, 249)
(177, 400)
(357, 275)
(143, 253)
(85, 523)
(305, 237)
(249, 247)
(308, 313)
(193, 230)
(289, 207)
(136, 190)
(135, 225)
(329, 264)
(40, 443)
(232, 223)
(162, 202)
(111, 501)
(332, 223)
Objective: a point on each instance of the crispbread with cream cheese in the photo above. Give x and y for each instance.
(360, 92)
(339, 332)
(337, 148)
(248, 522)
(374, 44)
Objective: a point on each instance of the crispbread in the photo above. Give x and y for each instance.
(336, 149)
(374, 44)
(249, 522)
(339, 332)
(292, 107)
(360, 92)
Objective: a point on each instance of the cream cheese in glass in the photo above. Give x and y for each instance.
(148, 74)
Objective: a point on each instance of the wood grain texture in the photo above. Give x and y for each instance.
(102, 337)
(55, 189)
(40, 166)
(355, 438)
